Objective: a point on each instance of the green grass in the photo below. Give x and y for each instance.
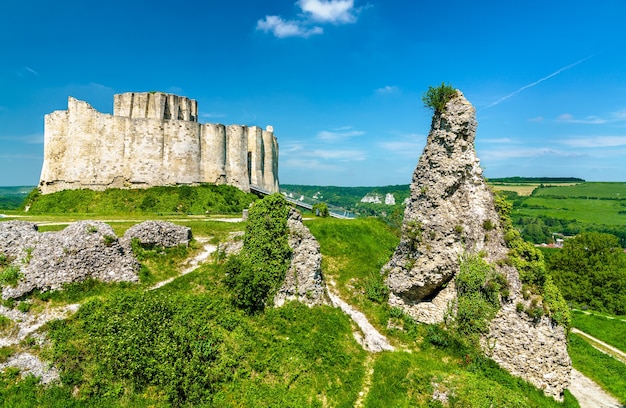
(404, 379)
(293, 356)
(587, 211)
(591, 190)
(204, 199)
(609, 329)
(353, 253)
(186, 344)
(609, 373)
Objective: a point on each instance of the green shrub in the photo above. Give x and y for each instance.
(436, 98)
(532, 270)
(23, 307)
(10, 275)
(203, 199)
(5, 322)
(256, 273)
(479, 289)
(321, 209)
(375, 288)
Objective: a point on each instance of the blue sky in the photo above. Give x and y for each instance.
(340, 80)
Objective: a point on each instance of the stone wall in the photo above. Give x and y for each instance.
(152, 139)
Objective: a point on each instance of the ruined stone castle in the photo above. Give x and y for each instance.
(152, 139)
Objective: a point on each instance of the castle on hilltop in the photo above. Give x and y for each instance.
(152, 139)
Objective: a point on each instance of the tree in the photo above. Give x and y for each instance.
(321, 210)
(591, 270)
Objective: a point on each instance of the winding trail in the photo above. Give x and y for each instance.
(602, 346)
(371, 340)
(589, 394)
(193, 263)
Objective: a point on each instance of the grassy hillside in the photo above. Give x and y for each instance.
(186, 344)
(205, 199)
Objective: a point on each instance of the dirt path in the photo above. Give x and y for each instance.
(589, 394)
(371, 339)
(602, 346)
(192, 263)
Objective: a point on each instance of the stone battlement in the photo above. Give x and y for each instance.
(152, 139)
(155, 105)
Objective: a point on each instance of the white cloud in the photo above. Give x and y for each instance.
(310, 164)
(32, 71)
(329, 11)
(177, 90)
(596, 141)
(589, 120)
(503, 140)
(283, 29)
(210, 115)
(558, 71)
(620, 115)
(536, 119)
(27, 139)
(313, 12)
(341, 155)
(341, 133)
(386, 90)
(507, 154)
(410, 145)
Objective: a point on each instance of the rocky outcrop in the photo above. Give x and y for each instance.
(159, 233)
(451, 213)
(303, 280)
(533, 350)
(48, 260)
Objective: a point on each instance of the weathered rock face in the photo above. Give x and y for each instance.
(159, 233)
(450, 213)
(46, 261)
(535, 351)
(303, 281)
(446, 215)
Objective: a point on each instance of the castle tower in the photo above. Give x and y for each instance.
(152, 139)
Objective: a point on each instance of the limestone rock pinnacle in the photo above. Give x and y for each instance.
(450, 213)
(449, 205)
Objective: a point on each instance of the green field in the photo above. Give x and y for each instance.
(588, 211)
(586, 190)
(609, 329)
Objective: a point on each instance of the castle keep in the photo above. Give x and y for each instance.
(152, 139)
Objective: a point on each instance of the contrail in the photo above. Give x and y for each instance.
(558, 71)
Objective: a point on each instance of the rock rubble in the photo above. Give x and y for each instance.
(303, 280)
(83, 250)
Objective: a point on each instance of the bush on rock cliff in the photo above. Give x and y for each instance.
(256, 273)
(479, 289)
(437, 97)
(545, 297)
